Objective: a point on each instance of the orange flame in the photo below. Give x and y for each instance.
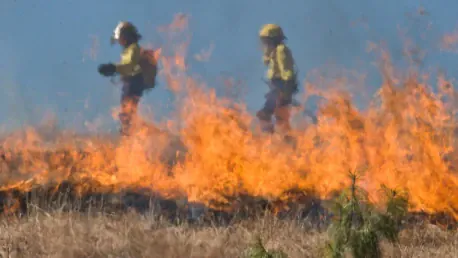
(406, 140)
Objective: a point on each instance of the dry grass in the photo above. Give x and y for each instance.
(133, 235)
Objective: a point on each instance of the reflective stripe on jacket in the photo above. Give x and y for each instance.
(280, 63)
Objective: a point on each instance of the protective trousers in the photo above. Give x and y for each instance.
(132, 91)
(278, 104)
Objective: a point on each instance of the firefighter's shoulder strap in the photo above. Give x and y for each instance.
(148, 64)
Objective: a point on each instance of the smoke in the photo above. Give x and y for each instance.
(326, 36)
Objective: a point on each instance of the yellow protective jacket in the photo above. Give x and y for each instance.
(129, 65)
(281, 64)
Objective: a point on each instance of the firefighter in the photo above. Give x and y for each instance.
(130, 72)
(281, 77)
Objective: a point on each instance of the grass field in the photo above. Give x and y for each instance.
(93, 234)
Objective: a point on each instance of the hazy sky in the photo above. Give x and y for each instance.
(44, 64)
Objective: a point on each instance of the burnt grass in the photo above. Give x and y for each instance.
(67, 197)
(301, 206)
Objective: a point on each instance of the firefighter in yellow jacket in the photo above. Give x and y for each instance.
(281, 77)
(129, 69)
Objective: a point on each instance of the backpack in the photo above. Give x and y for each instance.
(148, 64)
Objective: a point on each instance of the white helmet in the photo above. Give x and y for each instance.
(123, 27)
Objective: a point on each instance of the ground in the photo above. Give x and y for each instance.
(92, 234)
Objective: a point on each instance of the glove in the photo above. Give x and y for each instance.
(107, 69)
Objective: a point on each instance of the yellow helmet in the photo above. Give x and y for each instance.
(271, 31)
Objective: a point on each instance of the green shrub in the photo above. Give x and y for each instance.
(358, 227)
